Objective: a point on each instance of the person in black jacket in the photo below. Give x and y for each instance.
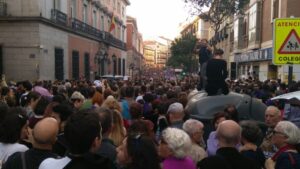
(216, 73)
(83, 133)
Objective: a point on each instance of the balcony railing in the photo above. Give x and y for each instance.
(3, 9)
(109, 38)
(59, 17)
(79, 26)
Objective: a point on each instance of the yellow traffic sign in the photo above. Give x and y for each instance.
(286, 41)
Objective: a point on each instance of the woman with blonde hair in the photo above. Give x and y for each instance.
(118, 132)
(111, 103)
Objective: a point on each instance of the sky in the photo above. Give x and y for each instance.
(158, 17)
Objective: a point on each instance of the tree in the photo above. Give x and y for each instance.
(218, 11)
(182, 55)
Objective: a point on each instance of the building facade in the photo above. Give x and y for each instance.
(197, 27)
(62, 39)
(248, 40)
(157, 52)
(134, 48)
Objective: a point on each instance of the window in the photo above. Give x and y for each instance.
(123, 34)
(123, 67)
(75, 65)
(56, 4)
(108, 25)
(123, 11)
(236, 31)
(252, 23)
(102, 23)
(119, 8)
(119, 66)
(73, 9)
(94, 18)
(87, 66)
(85, 11)
(114, 5)
(274, 9)
(119, 33)
(59, 64)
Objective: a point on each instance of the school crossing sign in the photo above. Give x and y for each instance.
(286, 41)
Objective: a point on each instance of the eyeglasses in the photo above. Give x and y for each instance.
(279, 133)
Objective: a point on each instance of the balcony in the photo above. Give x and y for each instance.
(80, 26)
(109, 38)
(3, 9)
(106, 37)
(59, 17)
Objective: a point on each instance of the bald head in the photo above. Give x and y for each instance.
(228, 133)
(45, 131)
(272, 116)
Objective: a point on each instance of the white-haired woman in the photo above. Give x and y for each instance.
(286, 137)
(194, 129)
(173, 148)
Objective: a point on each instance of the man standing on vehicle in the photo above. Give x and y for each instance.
(204, 52)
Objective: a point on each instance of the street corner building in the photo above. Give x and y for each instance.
(62, 39)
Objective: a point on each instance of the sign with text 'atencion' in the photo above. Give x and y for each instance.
(286, 41)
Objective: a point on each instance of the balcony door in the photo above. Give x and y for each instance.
(56, 4)
(73, 9)
(119, 66)
(75, 65)
(87, 66)
(59, 64)
(123, 67)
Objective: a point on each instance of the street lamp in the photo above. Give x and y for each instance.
(103, 59)
(114, 59)
(131, 67)
(99, 59)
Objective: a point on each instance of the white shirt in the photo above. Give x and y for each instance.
(51, 163)
(7, 150)
(139, 98)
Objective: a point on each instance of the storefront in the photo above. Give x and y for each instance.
(257, 64)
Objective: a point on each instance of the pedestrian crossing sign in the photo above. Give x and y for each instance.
(286, 41)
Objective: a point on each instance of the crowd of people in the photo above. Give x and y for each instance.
(142, 123)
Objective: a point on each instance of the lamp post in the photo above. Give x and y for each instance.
(131, 67)
(99, 59)
(114, 59)
(104, 58)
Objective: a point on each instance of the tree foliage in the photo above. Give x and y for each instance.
(182, 55)
(216, 11)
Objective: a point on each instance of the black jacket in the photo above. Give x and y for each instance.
(33, 158)
(90, 161)
(204, 55)
(227, 158)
